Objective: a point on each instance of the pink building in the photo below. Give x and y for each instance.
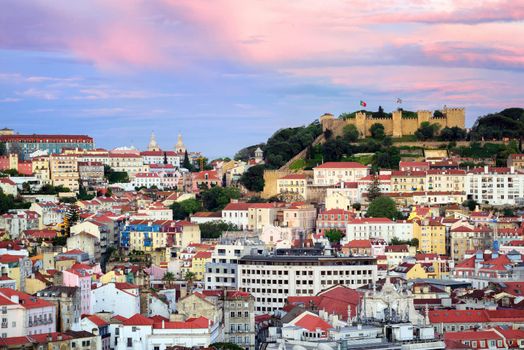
(82, 279)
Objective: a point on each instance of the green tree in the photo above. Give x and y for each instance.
(351, 133)
(333, 235)
(190, 278)
(374, 189)
(471, 204)
(214, 229)
(377, 131)
(383, 207)
(357, 206)
(226, 346)
(182, 210)
(411, 242)
(115, 176)
(169, 278)
(3, 149)
(216, 198)
(186, 163)
(427, 131)
(253, 178)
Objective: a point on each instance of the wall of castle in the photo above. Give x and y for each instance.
(396, 126)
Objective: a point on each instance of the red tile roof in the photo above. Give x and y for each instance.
(343, 165)
(138, 320)
(97, 320)
(312, 323)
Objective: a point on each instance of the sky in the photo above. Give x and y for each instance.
(229, 73)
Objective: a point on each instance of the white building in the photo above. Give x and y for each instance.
(387, 229)
(301, 272)
(119, 298)
(17, 221)
(147, 180)
(495, 186)
(343, 196)
(8, 186)
(237, 214)
(221, 271)
(50, 213)
(333, 173)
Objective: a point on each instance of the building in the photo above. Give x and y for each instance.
(396, 124)
(293, 184)
(8, 186)
(117, 298)
(431, 236)
(387, 229)
(333, 173)
(221, 271)
(91, 174)
(63, 171)
(67, 302)
(303, 271)
(343, 196)
(24, 145)
(239, 319)
(333, 219)
(39, 316)
(495, 186)
(516, 161)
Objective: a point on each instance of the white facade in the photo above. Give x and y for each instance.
(342, 197)
(333, 173)
(386, 229)
(495, 186)
(108, 298)
(240, 218)
(147, 180)
(272, 278)
(12, 318)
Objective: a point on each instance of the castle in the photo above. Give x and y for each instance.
(397, 125)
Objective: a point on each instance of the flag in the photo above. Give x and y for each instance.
(399, 100)
(363, 104)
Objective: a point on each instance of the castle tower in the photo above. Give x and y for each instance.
(179, 147)
(259, 155)
(360, 123)
(397, 123)
(455, 117)
(153, 146)
(326, 120)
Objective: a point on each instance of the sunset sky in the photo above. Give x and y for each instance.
(228, 73)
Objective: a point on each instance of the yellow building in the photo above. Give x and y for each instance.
(64, 171)
(408, 181)
(449, 180)
(113, 276)
(431, 236)
(187, 233)
(293, 183)
(198, 264)
(411, 271)
(261, 215)
(397, 124)
(155, 240)
(40, 167)
(33, 285)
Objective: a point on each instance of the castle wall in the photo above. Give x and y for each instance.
(396, 126)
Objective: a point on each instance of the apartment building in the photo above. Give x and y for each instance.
(300, 271)
(333, 173)
(495, 186)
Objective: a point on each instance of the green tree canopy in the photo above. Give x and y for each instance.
(427, 131)
(333, 235)
(351, 133)
(216, 198)
(181, 210)
(383, 207)
(214, 229)
(253, 178)
(377, 131)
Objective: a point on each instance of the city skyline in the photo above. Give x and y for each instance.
(225, 75)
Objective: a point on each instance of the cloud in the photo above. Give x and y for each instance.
(39, 94)
(9, 100)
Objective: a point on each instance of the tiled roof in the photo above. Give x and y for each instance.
(138, 320)
(312, 323)
(341, 165)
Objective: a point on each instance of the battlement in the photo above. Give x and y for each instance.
(398, 124)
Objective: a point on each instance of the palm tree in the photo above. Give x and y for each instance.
(168, 278)
(190, 278)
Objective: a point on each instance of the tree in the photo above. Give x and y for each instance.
(181, 210)
(190, 278)
(186, 163)
(452, 134)
(216, 198)
(333, 235)
(226, 346)
(377, 131)
(383, 207)
(357, 206)
(253, 178)
(169, 278)
(471, 204)
(214, 229)
(109, 193)
(26, 187)
(508, 212)
(115, 176)
(411, 242)
(3, 149)
(374, 188)
(351, 133)
(427, 131)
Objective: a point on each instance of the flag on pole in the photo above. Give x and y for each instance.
(363, 103)
(399, 101)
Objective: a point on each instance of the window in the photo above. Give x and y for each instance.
(129, 342)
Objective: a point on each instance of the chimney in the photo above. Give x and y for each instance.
(163, 324)
(486, 169)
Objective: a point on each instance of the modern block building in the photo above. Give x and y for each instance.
(24, 145)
